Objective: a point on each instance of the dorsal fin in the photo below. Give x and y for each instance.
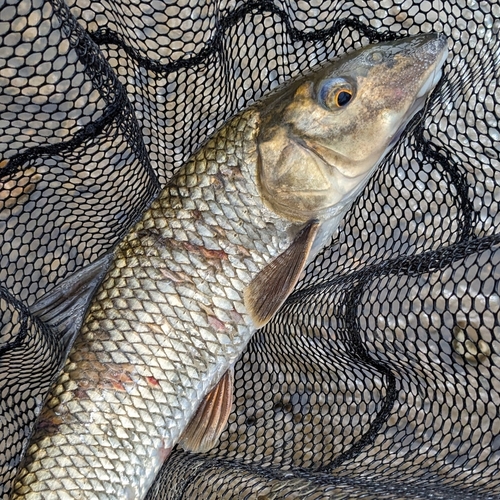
(273, 284)
(204, 429)
(63, 308)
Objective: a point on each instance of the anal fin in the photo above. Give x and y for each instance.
(269, 289)
(204, 429)
(63, 308)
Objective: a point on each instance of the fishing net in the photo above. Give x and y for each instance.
(380, 376)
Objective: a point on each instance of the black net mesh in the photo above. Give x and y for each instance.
(380, 377)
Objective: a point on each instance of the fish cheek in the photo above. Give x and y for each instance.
(361, 142)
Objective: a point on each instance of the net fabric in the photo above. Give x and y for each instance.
(379, 377)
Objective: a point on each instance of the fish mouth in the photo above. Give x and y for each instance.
(421, 98)
(418, 105)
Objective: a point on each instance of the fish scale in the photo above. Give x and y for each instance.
(139, 364)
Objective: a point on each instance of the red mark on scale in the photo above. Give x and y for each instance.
(216, 323)
(152, 382)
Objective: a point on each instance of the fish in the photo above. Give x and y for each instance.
(154, 329)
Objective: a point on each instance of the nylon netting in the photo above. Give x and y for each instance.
(380, 377)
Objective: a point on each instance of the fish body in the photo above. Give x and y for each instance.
(210, 261)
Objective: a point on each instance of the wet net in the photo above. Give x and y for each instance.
(380, 376)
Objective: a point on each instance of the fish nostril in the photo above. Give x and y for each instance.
(376, 57)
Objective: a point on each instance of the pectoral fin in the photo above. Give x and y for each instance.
(63, 308)
(270, 288)
(203, 431)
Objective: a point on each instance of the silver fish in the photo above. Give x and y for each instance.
(212, 260)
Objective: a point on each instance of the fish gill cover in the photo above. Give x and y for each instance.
(379, 378)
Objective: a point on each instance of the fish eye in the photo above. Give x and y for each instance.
(335, 93)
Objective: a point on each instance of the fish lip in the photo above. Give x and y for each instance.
(425, 91)
(422, 97)
(417, 106)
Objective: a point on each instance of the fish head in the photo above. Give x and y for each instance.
(321, 138)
